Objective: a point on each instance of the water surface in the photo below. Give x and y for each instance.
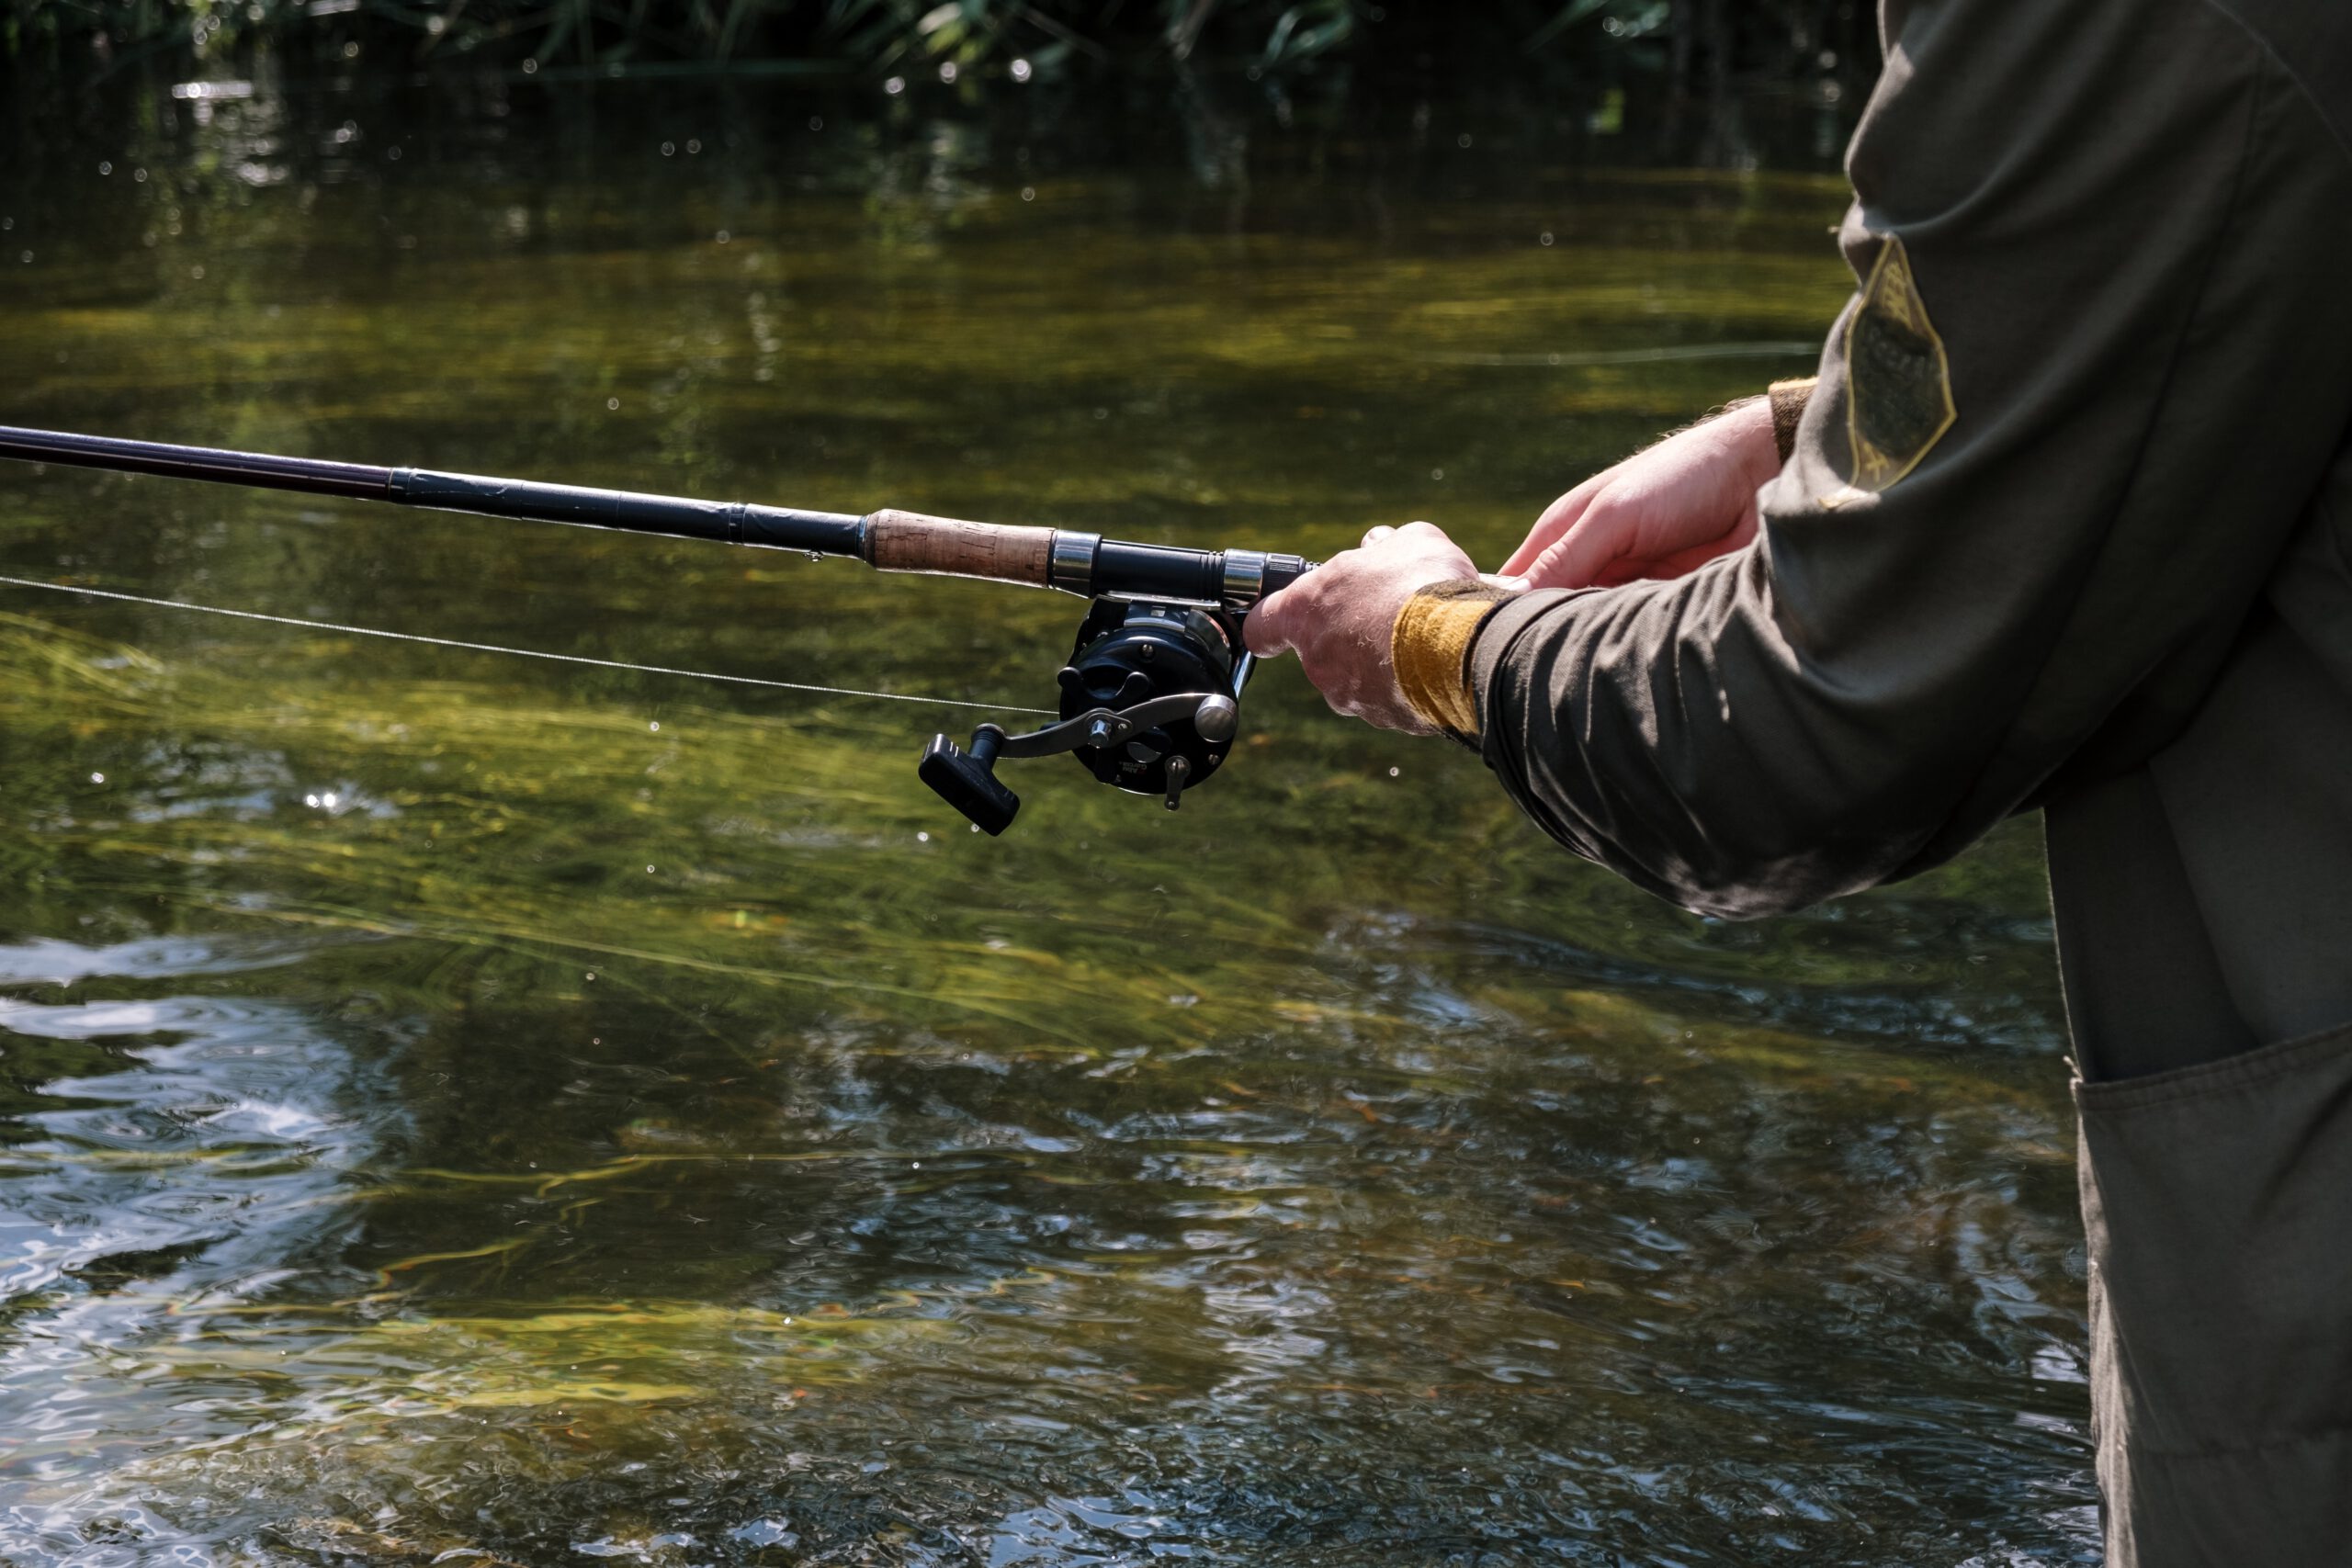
(458, 1109)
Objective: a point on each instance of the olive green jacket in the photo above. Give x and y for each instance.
(2068, 524)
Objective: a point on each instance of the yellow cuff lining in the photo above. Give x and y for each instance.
(1430, 649)
(1789, 398)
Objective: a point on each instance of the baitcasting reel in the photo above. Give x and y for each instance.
(1149, 704)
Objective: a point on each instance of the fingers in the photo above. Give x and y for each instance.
(1290, 620)
(1276, 623)
(1340, 682)
(1677, 563)
(1598, 549)
(1575, 560)
(1266, 628)
(1557, 519)
(1539, 540)
(1415, 533)
(1340, 619)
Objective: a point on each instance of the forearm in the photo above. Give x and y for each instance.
(1745, 442)
(1671, 731)
(2016, 513)
(1676, 733)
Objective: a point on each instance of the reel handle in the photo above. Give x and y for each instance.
(968, 780)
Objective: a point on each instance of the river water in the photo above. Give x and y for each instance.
(457, 1109)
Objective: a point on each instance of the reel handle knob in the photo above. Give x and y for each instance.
(968, 780)
(1179, 770)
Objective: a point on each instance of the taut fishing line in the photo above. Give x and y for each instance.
(517, 652)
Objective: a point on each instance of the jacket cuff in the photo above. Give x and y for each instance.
(1789, 398)
(1430, 645)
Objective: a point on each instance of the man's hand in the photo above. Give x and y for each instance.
(1659, 513)
(1339, 619)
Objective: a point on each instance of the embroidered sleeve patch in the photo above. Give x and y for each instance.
(1898, 399)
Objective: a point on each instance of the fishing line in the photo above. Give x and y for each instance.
(517, 652)
(1149, 693)
(1666, 354)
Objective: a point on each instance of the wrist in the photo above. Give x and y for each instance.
(1430, 647)
(1746, 432)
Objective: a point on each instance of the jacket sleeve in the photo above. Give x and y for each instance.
(2090, 380)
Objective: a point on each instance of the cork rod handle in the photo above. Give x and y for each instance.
(948, 546)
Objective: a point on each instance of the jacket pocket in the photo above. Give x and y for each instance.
(2217, 1204)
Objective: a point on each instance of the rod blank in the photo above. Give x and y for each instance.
(890, 540)
(307, 474)
(679, 516)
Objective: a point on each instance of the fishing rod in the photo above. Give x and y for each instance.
(1150, 698)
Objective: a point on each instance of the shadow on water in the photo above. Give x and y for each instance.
(460, 1110)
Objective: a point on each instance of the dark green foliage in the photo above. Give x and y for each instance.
(1698, 43)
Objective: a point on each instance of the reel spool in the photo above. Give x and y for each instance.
(1149, 704)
